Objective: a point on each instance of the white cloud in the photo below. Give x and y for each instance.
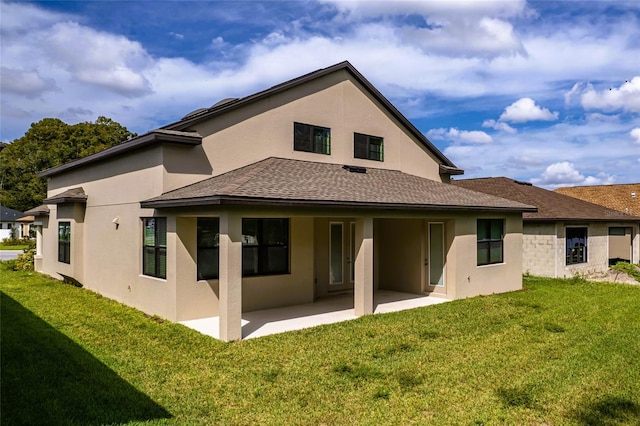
(635, 135)
(99, 58)
(25, 82)
(218, 43)
(626, 97)
(525, 109)
(498, 125)
(177, 36)
(453, 134)
(565, 174)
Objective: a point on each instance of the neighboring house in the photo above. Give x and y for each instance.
(624, 198)
(566, 235)
(310, 188)
(9, 225)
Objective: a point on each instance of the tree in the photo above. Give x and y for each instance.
(49, 143)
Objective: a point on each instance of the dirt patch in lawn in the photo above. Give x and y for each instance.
(612, 277)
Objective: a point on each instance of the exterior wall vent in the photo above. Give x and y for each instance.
(355, 169)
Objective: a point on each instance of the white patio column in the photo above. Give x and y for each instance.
(363, 291)
(230, 280)
(38, 240)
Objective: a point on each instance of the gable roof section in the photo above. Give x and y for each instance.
(624, 198)
(231, 104)
(9, 215)
(551, 205)
(73, 195)
(279, 181)
(154, 137)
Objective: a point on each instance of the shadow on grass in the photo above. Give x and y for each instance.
(48, 379)
(611, 410)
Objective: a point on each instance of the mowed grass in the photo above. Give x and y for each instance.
(560, 352)
(14, 247)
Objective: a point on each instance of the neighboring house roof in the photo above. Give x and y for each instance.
(38, 211)
(9, 215)
(73, 195)
(27, 219)
(624, 198)
(178, 132)
(279, 181)
(153, 137)
(551, 205)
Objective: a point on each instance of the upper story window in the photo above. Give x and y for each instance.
(490, 241)
(64, 242)
(154, 251)
(309, 138)
(368, 147)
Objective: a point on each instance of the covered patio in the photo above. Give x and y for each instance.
(325, 310)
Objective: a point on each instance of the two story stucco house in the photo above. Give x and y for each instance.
(313, 187)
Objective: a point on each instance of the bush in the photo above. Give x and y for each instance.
(24, 262)
(628, 268)
(18, 242)
(8, 265)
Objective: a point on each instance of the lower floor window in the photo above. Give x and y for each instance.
(490, 241)
(576, 241)
(154, 252)
(64, 242)
(265, 247)
(208, 248)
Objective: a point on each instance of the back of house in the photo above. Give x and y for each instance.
(314, 187)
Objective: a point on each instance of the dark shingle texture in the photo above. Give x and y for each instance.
(551, 205)
(9, 215)
(293, 180)
(73, 195)
(616, 197)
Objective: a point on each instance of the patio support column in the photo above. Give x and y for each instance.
(363, 291)
(38, 240)
(37, 259)
(230, 278)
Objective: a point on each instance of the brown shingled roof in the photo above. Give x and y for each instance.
(278, 181)
(73, 195)
(616, 197)
(551, 205)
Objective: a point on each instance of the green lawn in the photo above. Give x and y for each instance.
(18, 247)
(557, 353)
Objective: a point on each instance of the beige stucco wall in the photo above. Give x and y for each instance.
(265, 129)
(465, 278)
(112, 262)
(401, 254)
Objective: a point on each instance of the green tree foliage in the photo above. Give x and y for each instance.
(49, 143)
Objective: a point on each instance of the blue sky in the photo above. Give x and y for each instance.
(546, 92)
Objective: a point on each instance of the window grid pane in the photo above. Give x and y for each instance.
(576, 245)
(309, 138)
(490, 237)
(64, 242)
(154, 252)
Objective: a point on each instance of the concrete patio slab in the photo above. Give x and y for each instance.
(327, 310)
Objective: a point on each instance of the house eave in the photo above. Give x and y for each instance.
(277, 202)
(149, 139)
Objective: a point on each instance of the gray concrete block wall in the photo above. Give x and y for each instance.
(538, 251)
